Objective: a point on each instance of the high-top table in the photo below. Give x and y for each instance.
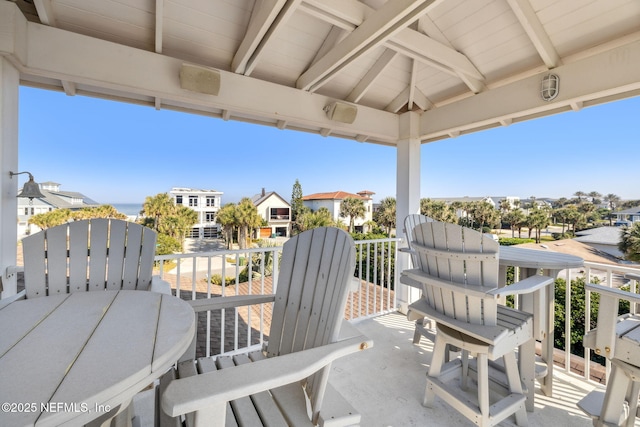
(530, 262)
(69, 359)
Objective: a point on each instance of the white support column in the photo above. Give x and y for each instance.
(407, 194)
(9, 84)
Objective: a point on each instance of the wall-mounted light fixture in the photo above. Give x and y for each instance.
(31, 188)
(341, 112)
(549, 87)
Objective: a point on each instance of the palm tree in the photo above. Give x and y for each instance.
(352, 208)
(226, 217)
(595, 197)
(629, 243)
(505, 205)
(514, 218)
(385, 216)
(247, 218)
(612, 200)
(580, 195)
(157, 207)
(438, 210)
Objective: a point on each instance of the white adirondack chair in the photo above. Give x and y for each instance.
(459, 275)
(90, 255)
(618, 339)
(423, 326)
(315, 278)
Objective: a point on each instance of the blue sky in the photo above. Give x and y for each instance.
(121, 153)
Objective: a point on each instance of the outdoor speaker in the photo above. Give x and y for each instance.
(199, 79)
(341, 112)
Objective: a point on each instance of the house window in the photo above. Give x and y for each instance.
(178, 200)
(193, 200)
(279, 214)
(26, 211)
(32, 211)
(211, 201)
(209, 216)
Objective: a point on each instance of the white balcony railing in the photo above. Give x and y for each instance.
(192, 275)
(225, 272)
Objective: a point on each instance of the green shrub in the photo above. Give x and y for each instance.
(510, 241)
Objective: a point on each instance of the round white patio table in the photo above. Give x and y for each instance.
(68, 359)
(530, 261)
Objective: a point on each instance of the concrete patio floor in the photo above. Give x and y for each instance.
(386, 384)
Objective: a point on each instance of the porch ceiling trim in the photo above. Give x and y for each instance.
(602, 77)
(93, 65)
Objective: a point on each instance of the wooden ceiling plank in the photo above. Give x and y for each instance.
(536, 32)
(374, 72)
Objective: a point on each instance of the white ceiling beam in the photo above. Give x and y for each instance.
(412, 84)
(157, 102)
(599, 78)
(409, 42)
(69, 87)
(159, 25)
(426, 49)
(346, 15)
(534, 29)
(398, 102)
(383, 24)
(421, 100)
(45, 12)
(374, 72)
(336, 34)
(263, 16)
(110, 70)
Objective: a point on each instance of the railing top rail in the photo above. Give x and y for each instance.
(612, 267)
(223, 252)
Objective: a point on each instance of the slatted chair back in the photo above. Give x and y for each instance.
(315, 277)
(88, 255)
(410, 222)
(462, 265)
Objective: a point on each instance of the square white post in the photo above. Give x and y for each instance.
(9, 90)
(407, 195)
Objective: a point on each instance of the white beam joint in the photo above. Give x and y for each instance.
(383, 24)
(69, 87)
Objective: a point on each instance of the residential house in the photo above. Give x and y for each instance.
(206, 203)
(631, 214)
(603, 239)
(54, 198)
(333, 200)
(276, 211)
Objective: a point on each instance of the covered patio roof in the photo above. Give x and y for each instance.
(392, 72)
(463, 65)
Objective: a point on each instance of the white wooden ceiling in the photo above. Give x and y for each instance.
(463, 65)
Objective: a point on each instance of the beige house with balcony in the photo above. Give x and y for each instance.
(276, 211)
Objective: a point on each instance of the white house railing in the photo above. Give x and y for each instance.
(191, 276)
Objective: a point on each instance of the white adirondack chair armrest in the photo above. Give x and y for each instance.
(602, 339)
(159, 285)
(218, 303)
(8, 300)
(613, 293)
(198, 392)
(407, 250)
(632, 276)
(526, 286)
